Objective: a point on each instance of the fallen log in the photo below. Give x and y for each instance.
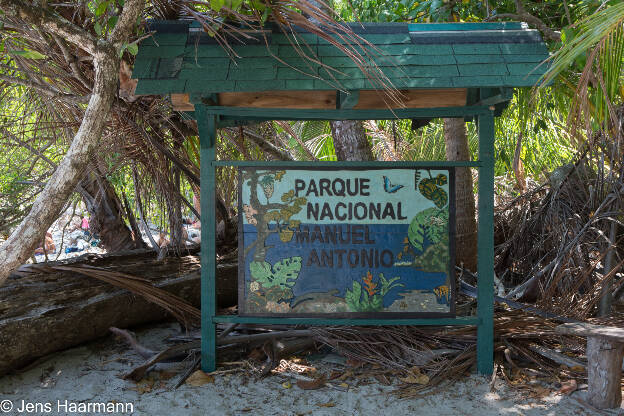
(44, 311)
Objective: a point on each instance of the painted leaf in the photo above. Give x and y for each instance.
(286, 235)
(352, 296)
(416, 233)
(428, 226)
(260, 270)
(287, 270)
(376, 303)
(287, 196)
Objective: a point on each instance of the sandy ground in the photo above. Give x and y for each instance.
(91, 374)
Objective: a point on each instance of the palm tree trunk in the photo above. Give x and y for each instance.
(350, 141)
(456, 141)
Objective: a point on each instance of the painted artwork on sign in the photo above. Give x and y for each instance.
(346, 242)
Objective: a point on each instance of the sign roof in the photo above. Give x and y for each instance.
(181, 58)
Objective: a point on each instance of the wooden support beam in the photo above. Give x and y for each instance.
(583, 329)
(504, 95)
(279, 99)
(420, 98)
(331, 99)
(181, 102)
(347, 99)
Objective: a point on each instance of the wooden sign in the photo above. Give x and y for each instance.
(346, 242)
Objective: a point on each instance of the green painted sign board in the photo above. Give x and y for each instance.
(346, 242)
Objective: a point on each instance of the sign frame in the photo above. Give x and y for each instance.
(209, 118)
(451, 272)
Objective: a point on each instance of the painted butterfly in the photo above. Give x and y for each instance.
(389, 187)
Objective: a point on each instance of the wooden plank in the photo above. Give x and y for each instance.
(485, 260)
(425, 98)
(181, 102)
(368, 99)
(590, 330)
(348, 163)
(471, 320)
(279, 99)
(334, 114)
(206, 125)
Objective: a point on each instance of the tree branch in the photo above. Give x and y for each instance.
(46, 20)
(123, 29)
(50, 92)
(527, 17)
(72, 62)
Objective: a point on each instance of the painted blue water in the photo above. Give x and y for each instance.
(381, 242)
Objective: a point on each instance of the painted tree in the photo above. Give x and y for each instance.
(270, 217)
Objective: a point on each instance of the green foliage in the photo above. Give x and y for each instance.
(386, 284)
(28, 54)
(435, 258)
(284, 273)
(430, 224)
(359, 301)
(368, 298)
(281, 217)
(599, 37)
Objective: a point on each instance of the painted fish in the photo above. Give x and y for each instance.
(443, 294)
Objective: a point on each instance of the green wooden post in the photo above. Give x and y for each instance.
(206, 124)
(485, 265)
